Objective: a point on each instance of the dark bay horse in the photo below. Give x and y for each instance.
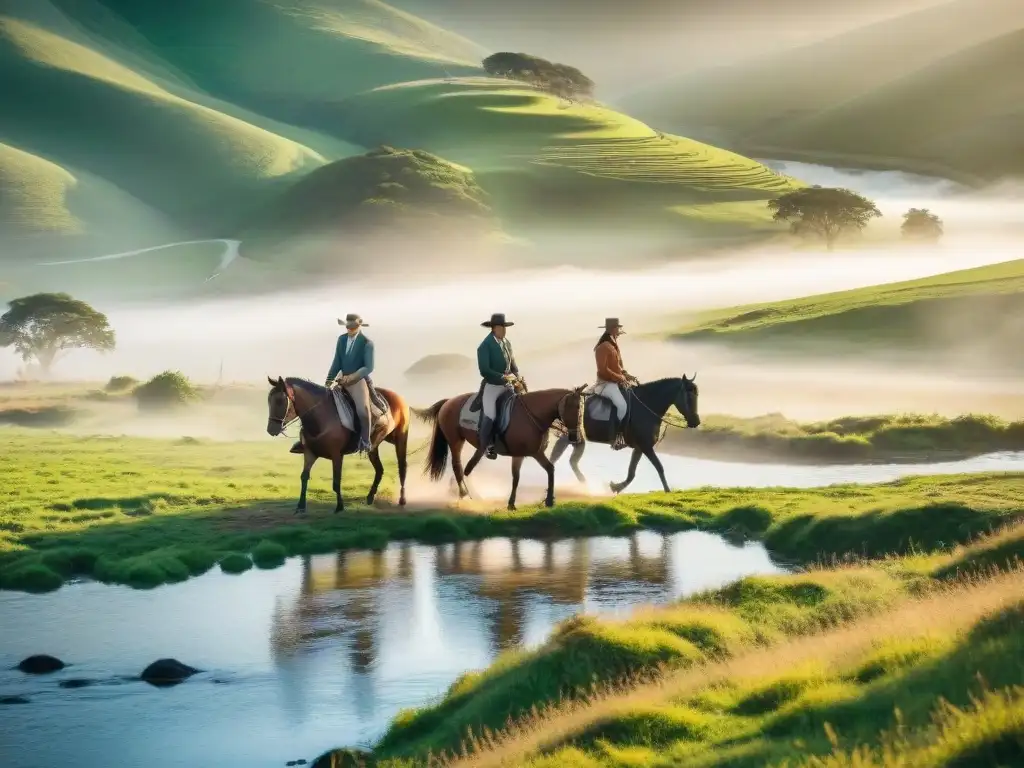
(327, 438)
(532, 415)
(648, 404)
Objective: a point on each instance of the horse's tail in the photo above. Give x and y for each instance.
(437, 456)
(429, 415)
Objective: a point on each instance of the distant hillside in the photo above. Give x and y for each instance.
(538, 156)
(129, 124)
(972, 314)
(870, 96)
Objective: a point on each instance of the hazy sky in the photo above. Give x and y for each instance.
(617, 43)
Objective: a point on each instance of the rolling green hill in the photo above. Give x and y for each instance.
(535, 154)
(134, 124)
(978, 308)
(937, 89)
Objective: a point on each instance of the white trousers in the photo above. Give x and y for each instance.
(489, 400)
(361, 397)
(613, 392)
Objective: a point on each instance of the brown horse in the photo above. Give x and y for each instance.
(527, 434)
(327, 438)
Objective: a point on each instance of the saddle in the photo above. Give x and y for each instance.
(380, 411)
(472, 413)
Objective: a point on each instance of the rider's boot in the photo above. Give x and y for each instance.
(619, 441)
(364, 438)
(487, 437)
(298, 448)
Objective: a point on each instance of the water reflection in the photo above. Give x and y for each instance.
(323, 651)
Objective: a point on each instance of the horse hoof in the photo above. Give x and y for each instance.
(338, 510)
(369, 499)
(549, 502)
(401, 501)
(299, 510)
(511, 507)
(615, 487)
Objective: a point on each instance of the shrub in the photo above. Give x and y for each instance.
(165, 390)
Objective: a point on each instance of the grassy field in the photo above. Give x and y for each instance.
(146, 512)
(976, 308)
(849, 96)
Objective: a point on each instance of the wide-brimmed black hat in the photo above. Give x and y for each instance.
(498, 318)
(352, 321)
(611, 323)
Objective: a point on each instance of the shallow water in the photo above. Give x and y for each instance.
(600, 465)
(319, 653)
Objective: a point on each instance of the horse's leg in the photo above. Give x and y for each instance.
(460, 475)
(338, 459)
(478, 454)
(560, 445)
(517, 465)
(547, 466)
(574, 461)
(401, 453)
(634, 460)
(653, 458)
(378, 472)
(308, 460)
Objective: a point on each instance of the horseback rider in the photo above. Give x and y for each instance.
(612, 378)
(352, 364)
(499, 372)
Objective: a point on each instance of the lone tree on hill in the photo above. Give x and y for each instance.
(559, 79)
(43, 326)
(823, 212)
(921, 224)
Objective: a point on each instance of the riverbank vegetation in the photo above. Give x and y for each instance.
(145, 512)
(860, 666)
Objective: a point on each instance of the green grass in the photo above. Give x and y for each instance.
(145, 512)
(905, 437)
(763, 671)
(845, 100)
(971, 308)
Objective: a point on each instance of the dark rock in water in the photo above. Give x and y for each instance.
(41, 665)
(76, 682)
(13, 700)
(167, 672)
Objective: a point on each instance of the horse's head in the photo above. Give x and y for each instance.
(686, 401)
(280, 405)
(570, 413)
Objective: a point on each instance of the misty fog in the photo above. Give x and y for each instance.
(557, 311)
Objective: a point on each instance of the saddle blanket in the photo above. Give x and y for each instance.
(599, 407)
(349, 418)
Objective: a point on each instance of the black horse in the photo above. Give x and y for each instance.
(648, 404)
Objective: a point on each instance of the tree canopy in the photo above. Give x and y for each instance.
(560, 79)
(921, 224)
(823, 212)
(43, 326)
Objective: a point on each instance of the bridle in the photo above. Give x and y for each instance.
(293, 409)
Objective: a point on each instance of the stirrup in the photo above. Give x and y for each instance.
(492, 453)
(619, 442)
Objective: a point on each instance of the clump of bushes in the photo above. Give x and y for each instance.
(120, 384)
(165, 390)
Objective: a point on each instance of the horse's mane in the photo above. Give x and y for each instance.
(305, 384)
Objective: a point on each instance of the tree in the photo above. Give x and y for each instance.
(559, 79)
(43, 326)
(921, 224)
(823, 212)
